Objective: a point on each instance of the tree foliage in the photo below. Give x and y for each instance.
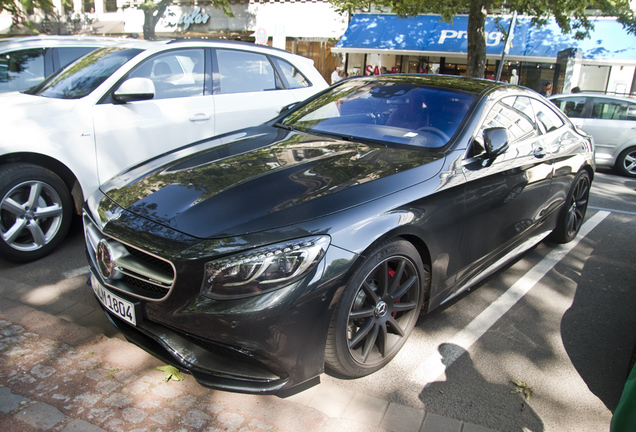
(22, 8)
(570, 15)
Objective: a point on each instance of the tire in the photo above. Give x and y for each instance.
(35, 212)
(626, 162)
(376, 315)
(573, 213)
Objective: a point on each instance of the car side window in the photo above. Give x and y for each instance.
(178, 73)
(241, 71)
(571, 106)
(293, 77)
(547, 119)
(505, 114)
(613, 109)
(21, 69)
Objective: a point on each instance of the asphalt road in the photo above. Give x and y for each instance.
(559, 321)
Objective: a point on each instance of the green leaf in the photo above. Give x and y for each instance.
(521, 387)
(170, 373)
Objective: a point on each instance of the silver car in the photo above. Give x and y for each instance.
(611, 120)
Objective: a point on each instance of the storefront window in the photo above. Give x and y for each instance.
(88, 5)
(110, 5)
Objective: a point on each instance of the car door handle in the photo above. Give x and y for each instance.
(200, 117)
(539, 152)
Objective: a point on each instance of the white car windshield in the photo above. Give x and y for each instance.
(85, 75)
(388, 110)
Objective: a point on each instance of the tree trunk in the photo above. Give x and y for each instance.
(149, 25)
(152, 15)
(477, 38)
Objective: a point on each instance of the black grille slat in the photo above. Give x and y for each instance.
(143, 272)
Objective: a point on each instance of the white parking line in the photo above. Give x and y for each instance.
(76, 272)
(431, 369)
(612, 210)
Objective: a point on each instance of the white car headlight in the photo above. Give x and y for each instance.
(264, 269)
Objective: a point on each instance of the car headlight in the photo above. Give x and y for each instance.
(264, 269)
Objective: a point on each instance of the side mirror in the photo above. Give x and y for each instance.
(135, 89)
(495, 142)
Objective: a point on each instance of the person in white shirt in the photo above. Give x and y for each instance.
(335, 75)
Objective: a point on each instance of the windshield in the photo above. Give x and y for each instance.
(396, 111)
(85, 75)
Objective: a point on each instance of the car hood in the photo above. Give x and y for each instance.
(19, 109)
(267, 178)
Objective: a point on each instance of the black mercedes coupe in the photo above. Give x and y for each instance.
(255, 259)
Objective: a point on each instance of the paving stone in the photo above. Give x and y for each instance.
(195, 418)
(437, 423)
(100, 415)
(332, 401)
(259, 425)
(118, 400)
(115, 425)
(468, 427)
(88, 399)
(78, 425)
(366, 409)
(231, 421)
(167, 390)
(134, 415)
(41, 371)
(164, 416)
(40, 416)
(10, 401)
(400, 418)
(12, 330)
(107, 386)
(184, 402)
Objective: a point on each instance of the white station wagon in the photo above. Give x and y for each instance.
(119, 106)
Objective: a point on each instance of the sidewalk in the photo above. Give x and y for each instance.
(56, 375)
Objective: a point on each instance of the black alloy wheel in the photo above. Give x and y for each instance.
(573, 213)
(377, 311)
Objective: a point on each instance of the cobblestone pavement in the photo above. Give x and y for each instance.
(58, 376)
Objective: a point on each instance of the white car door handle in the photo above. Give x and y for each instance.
(200, 117)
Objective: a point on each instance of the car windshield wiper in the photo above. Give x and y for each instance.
(349, 138)
(284, 126)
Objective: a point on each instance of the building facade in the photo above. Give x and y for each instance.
(605, 62)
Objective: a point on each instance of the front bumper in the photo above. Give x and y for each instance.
(212, 366)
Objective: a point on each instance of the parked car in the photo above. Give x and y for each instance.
(121, 105)
(253, 259)
(27, 61)
(611, 120)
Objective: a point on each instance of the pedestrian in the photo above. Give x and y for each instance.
(547, 89)
(335, 75)
(576, 89)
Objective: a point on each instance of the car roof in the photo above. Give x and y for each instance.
(10, 44)
(593, 94)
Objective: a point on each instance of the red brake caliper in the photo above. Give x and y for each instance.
(391, 274)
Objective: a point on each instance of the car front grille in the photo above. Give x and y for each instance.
(133, 271)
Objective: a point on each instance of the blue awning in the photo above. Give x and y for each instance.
(429, 35)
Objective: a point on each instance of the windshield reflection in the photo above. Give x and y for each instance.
(85, 75)
(387, 111)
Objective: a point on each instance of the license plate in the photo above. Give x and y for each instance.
(117, 305)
